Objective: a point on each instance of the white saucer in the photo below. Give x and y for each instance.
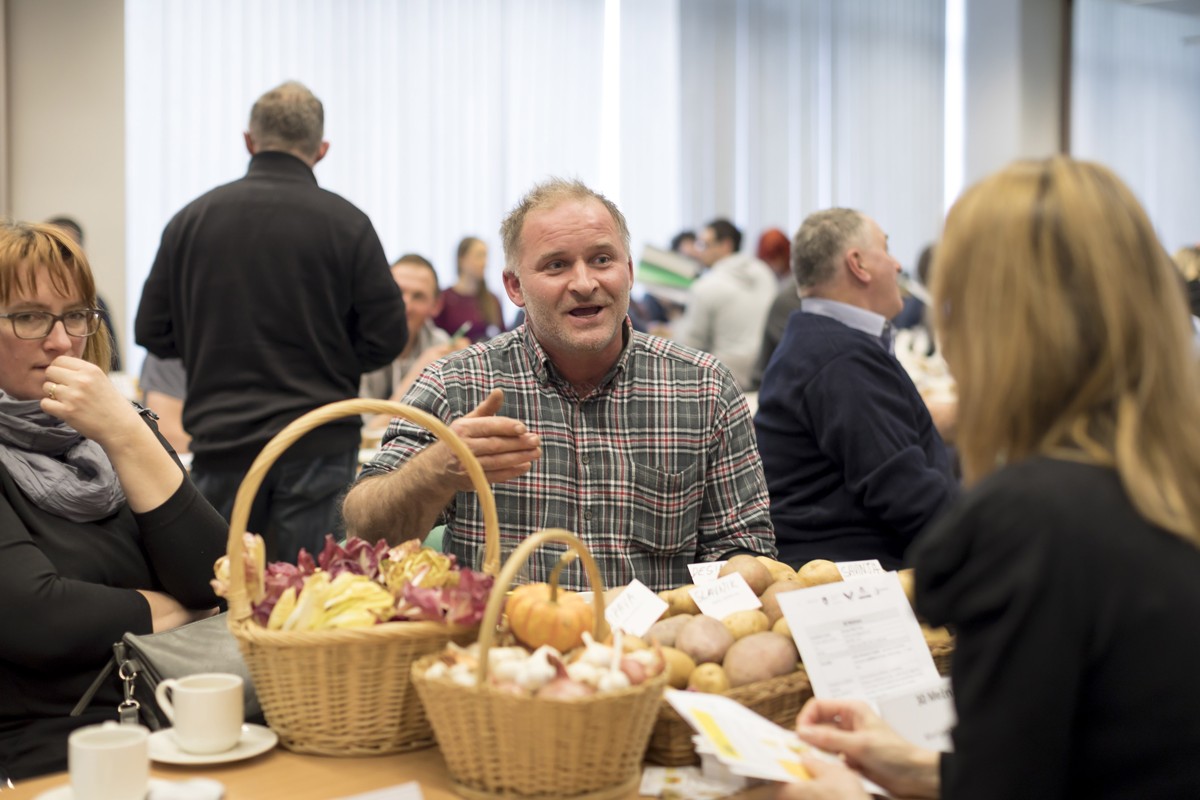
(256, 739)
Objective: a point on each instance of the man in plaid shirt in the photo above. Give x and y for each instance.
(644, 448)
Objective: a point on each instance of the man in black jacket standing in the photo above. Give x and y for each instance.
(277, 296)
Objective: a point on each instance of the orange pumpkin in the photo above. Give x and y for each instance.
(539, 614)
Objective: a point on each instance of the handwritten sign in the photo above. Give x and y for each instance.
(635, 609)
(724, 596)
(924, 715)
(705, 571)
(858, 569)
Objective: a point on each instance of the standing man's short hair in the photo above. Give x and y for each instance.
(725, 231)
(289, 118)
(820, 242)
(550, 194)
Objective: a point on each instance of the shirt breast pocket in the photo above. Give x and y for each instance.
(665, 511)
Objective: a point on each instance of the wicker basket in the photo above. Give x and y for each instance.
(344, 692)
(777, 699)
(500, 745)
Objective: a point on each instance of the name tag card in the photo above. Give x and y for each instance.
(722, 597)
(859, 638)
(635, 609)
(858, 569)
(923, 716)
(705, 571)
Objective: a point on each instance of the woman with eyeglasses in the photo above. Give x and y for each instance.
(101, 532)
(1070, 569)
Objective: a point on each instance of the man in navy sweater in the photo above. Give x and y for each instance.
(854, 465)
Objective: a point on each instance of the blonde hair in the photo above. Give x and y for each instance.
(1063, 320)
(548, 195)
(24, 248)
(1187, 259)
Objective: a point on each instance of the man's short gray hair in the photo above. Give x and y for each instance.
(820, 242)
(290, 118)
(547, 195)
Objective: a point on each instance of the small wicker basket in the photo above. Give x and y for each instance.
(500, 745)
(344, 692)
(777, 699)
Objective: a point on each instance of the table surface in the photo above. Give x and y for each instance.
(280, 773)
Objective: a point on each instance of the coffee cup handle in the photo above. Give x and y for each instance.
(160, 694)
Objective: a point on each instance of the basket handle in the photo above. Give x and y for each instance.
(491, 615)
(239, 598)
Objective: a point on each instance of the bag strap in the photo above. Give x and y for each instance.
(86, 700)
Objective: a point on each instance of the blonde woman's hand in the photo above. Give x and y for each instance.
(81, 395)
(830, 781)
(851, 729)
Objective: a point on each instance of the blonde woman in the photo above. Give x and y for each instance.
(1071, 569)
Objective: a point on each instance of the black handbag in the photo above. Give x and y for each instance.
(142, 662)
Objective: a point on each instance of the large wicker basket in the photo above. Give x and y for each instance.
(777, 699)
(344, 692)
(500, 745)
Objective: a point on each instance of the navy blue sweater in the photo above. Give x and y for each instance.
(854, 466)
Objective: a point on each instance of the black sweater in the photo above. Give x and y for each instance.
(1075, 665)
(277, 295)
(853, 463)
(68, 591)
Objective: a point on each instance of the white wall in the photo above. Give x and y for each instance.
(66, 125)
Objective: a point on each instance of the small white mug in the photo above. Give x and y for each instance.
(109, 762)
(205, 710)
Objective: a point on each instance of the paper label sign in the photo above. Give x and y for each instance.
(859, 638)
(403, 791)
(635, 609)
(858, 569)
(923, 716)
(724, 596)
(705, 571)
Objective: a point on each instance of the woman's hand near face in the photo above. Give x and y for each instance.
(81, 395)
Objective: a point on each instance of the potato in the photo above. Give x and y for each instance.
(936, 636)
(744, 623)
(756, 574)
(779, 570)
(817, 572)
(782, 628)
(770, 599)
(759, 657)
(665, 630)
(679, 601)
(679, 667)
(704, 639)
(709, 678)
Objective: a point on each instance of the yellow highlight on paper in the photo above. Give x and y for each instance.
(797, 769)
(717, 736)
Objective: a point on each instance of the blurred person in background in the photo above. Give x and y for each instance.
(418, 282)
(727, 304)
(775, 251)
(1068, 570)
(1187, 259)
(777, 255)
(854, 464)
(276, 295)
(163, 384)
(101, 532)
(469, 301)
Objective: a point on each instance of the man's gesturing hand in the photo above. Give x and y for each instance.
(504, 446)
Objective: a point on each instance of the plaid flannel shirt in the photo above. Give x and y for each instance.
(655, 469)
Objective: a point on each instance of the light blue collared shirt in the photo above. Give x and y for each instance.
(860, 319)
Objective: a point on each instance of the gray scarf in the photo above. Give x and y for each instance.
(59, 470)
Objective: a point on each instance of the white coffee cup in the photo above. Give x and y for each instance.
(109, 762)
(205, 710)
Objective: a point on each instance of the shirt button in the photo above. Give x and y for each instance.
(585, 458)
(587, 515)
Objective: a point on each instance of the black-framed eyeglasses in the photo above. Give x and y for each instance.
(38, 324)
